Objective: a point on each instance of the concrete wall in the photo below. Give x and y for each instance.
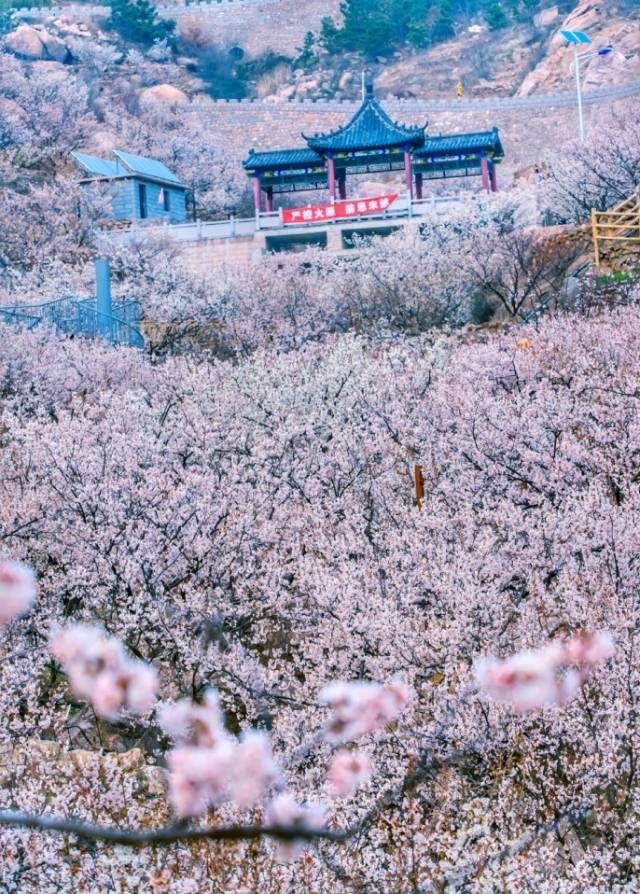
(207, 255)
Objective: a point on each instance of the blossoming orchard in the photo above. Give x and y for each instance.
(330, 583)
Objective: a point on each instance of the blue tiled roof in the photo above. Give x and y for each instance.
(99, 167)
(147, 167)
(370, 128)
(481, 141)
(282, 158)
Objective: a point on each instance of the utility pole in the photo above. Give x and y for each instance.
(576, 39)
(576, 60)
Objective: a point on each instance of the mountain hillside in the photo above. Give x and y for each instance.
(257, 48)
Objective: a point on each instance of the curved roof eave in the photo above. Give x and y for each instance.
(369, 128)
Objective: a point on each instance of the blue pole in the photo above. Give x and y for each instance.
(103, 294)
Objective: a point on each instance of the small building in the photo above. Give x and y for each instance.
(142, 188)
(371, 142)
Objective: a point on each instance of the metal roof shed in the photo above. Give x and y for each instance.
(141, 188)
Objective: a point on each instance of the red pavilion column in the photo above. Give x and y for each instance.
(418, 186)
(408, 179)
(484, 168)
(269, 192)
(493, 177)
(331, 168)
(257, 193)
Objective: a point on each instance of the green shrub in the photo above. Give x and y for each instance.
(138, 20)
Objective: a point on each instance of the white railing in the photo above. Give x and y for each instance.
(272, 220)
(404, 206)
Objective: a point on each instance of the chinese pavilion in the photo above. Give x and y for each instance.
(371, 142)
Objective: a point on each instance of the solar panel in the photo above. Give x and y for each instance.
(575, 36)
(98, 166)
(146, 167)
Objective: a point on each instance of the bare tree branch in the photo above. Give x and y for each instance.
(167, 835)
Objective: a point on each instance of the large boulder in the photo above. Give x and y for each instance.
(165, 93)
(36, 43)
(25, 42)
(546, 17)
(55, 48)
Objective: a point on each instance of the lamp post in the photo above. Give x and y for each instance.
(575, 38)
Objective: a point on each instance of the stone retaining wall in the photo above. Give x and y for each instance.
(254, 25)
(527, 133)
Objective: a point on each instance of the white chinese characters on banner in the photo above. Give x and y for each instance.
(338, 210)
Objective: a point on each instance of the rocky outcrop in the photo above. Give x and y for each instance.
(546, 17)
(553, 72)
(25, 42)
(165, 93)
(55, 48)
(33, 42)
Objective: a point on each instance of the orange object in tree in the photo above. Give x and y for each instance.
(419, 480)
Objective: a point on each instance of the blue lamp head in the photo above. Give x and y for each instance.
(605, 51)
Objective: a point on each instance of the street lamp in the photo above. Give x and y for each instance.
(575, 38)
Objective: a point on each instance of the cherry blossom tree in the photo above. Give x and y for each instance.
(599, 173)
(249, 528)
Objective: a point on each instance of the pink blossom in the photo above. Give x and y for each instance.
(141, 687)
(99, 671)
(360, 708)
(18, 590)
(348, 771)
(553, 675)
(196, 724)
(209, 765)
(285, 811)
(77, 642)
(527, 680)
(589, 649)
(106, 695)
(199, 777)
(254, 768)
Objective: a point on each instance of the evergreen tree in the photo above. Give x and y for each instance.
(496, 17)
(377, 27)
(443, 27)
(6, 20)
(138, 20)
(307, 57)
(7, 9)
(330, 36)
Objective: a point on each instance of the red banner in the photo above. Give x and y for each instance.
(339, 210)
